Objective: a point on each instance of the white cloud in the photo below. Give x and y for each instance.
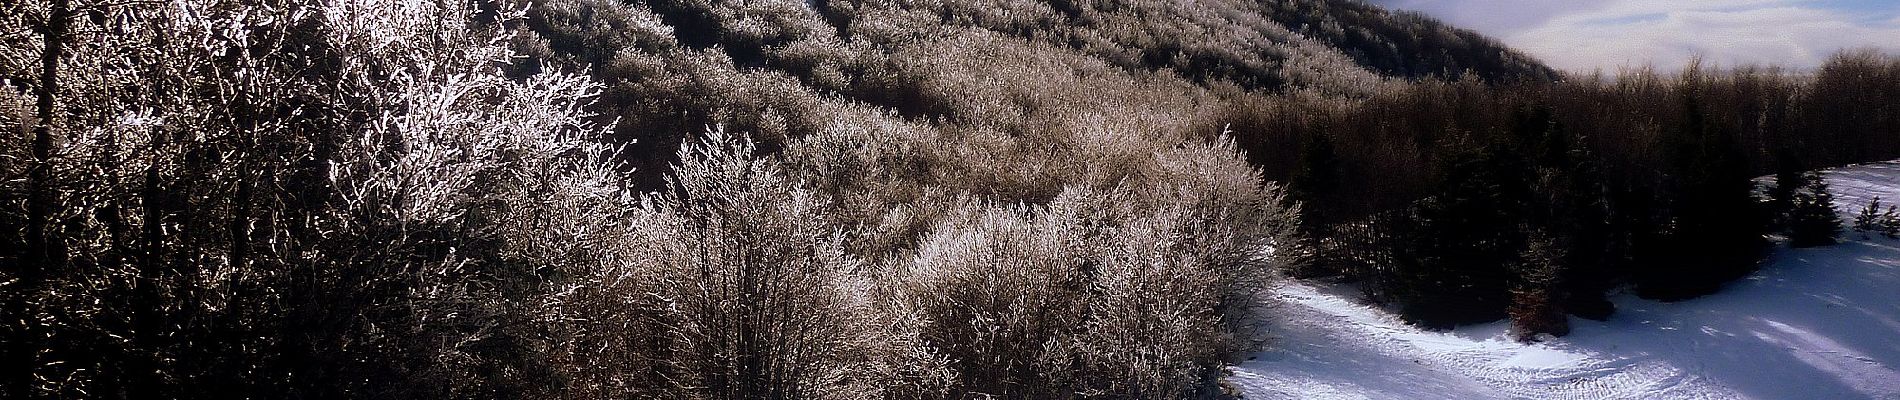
(1608, 34)
(1793, 37)
(1496, 15)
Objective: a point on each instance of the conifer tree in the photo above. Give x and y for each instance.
(1459, 245)
(1536, 307)
(1868, 219)
(1567, 208)
(1889, 222)
(1316, 178)
(1790, 177)
(1312, 183)
(1716, 230)
(1811, 219)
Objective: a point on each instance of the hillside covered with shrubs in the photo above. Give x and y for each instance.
(779, 70)
(825, 198)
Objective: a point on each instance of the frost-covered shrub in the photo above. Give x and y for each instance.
(594, 31)
(1120, 292)
(739, 287)
(348, 197)
(460, 202)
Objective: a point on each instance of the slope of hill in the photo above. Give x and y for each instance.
(781, 69)
(1405, 43)
(1812, 323)
(1264, 44)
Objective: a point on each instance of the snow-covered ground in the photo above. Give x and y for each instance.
(1820, 323)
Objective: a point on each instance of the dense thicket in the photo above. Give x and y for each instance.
(395, 199)
(1640, 178)
(770, 68)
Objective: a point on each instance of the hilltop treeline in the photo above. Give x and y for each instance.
(1460, 201)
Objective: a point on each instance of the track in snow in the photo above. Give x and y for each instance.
(1331, 347)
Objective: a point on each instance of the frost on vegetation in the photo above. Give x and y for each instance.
(1101, 292)
(383, 198)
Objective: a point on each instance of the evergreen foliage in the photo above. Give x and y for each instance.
(1536, 295)
(1315, 179)
(1868, 219)
(1517, 230)
(1459, 245)
(1890, 222)
(1713, 229)
(1567, 216)
(1812, 220)
(1790, 178)
(1873, 219)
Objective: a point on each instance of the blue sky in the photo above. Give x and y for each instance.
(1582, 35)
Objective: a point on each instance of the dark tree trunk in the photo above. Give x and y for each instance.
(148, 317)
(21, 353)
(39, 200)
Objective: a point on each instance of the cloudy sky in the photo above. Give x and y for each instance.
(1583, 35)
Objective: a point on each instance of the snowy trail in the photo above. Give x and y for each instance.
(1819, 323)
(1332, 348)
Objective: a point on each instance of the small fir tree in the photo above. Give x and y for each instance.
(1889, 224)
(1536, 307)
(1868, 219)
(1811, 219)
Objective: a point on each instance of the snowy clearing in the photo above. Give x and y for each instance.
(1821, 323)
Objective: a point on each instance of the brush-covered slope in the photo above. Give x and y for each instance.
(779, 69)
